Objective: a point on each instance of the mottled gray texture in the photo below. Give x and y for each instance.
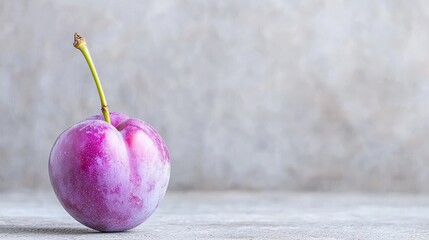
(291, 95)
(234, 215)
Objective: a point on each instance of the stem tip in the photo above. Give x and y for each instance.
(78, 40)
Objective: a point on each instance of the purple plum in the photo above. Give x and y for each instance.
(110, 177)
(109, 171)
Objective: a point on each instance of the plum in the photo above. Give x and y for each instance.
(109, 171)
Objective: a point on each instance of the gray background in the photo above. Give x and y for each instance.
(264, 95)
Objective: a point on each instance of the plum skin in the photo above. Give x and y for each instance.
(110, 177)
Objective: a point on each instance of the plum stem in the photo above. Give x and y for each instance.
(79, 43)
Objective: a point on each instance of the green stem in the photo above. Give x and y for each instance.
(79, 43)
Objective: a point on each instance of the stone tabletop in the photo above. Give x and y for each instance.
(233, 215)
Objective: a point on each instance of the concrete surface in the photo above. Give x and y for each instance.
(296, 95)
(234, 215)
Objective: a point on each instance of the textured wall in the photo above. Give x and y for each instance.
(296, 95)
